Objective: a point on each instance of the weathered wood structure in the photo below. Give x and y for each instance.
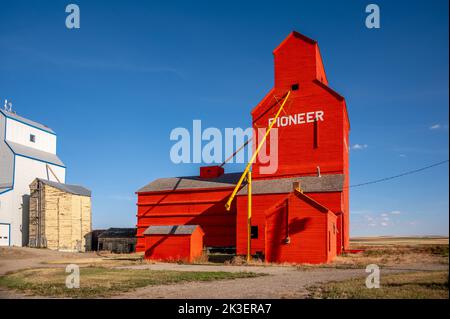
(118, 240)
(91, 239)
(60, 215)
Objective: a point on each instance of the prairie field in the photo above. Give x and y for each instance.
(410, 267)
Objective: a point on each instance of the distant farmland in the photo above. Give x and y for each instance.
(388, 240)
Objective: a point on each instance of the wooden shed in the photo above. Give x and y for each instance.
(91, 239)
(59, 215)
(179, 242)
(118, 240)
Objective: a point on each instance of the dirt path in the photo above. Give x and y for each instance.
(15, 258)
(280, 282)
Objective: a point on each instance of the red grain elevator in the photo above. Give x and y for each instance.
(300, 211)
(311, 224)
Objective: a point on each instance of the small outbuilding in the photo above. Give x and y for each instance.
(178, 242)
(91, 239)
(118, 240)
(59, 215)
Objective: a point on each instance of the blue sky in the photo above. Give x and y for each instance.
(115, 88)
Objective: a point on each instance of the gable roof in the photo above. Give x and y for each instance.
(72, 189)
(298, 195)
(311, 201)
(295, 34)
(118, 233)
(309, 184)
(33, 153)
(171, 230)
(190, 182)
(21, 119)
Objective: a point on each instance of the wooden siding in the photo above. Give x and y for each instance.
(315, 236)
(196, 207)
(279, 216)
(65, 219)
(174, 247)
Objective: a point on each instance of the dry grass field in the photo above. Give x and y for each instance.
(103, 282)
(357, 242)
(413, 285)
(410, 268)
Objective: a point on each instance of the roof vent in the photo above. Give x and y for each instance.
(294, 87)
(8, 106)
(211, 171)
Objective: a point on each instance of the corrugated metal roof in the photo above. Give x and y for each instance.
(172, 230)
(19, 118)
(72, 189)
(35, 153)
(118, 233)
(309, 184)
(189, 182)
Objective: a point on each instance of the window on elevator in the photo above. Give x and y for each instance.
(254, 232)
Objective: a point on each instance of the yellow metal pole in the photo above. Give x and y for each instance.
(249, 215)
(247, 168)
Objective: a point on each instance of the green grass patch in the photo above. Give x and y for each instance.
(416, 285)
(103, 282)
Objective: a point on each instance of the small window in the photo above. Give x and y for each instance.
(254, 232)
(32, 138)
(294, 87)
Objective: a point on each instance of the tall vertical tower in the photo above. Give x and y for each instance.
(27, 151)
(313, 129)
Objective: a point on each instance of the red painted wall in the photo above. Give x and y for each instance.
(174, 247)
(310, 230)
(204, 207)
(316, 236)
(260, 204)
(304, 147)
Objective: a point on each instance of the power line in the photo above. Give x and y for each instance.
(399, 175)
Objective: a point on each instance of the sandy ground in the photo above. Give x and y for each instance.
(279, 282)
(16, 258)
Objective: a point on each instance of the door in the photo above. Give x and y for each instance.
(4, 234)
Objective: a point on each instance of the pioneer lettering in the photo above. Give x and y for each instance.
(297, 119)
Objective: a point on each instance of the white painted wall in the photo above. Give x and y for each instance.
(26, 170)
(20, 133)
(4, 235)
